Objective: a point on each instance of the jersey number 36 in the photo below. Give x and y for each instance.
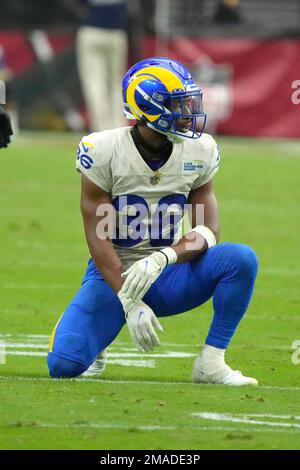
(159, 222)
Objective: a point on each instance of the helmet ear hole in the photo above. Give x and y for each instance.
(165, 124)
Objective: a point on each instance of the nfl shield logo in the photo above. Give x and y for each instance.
(154, 179)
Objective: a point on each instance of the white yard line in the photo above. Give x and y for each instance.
(145, 427)
(25, 345)
(23, 335)
(266, 415)
(120, 362)
(166, 354)
(118, 355)
(8, 339)
(141, 382)
(177, 354)
(150, 364)
(26, 353)
(10, 350)
(243, 418)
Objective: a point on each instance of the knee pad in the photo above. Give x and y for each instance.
(63, 368)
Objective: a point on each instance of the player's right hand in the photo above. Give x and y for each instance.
(141, 322)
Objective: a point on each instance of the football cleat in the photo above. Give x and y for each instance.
(220, 374)
(98, 365)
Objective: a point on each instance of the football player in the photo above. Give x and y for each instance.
(5, 128)
(136, 183)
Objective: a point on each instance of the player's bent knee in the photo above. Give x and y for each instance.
(246, 260)
(69, 354)
(63, 368)
(242, 257)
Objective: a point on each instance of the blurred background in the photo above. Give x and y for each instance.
(62, 60)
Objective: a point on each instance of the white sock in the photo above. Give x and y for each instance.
(211, 361)
(210, 355)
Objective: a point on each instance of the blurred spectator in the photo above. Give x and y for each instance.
(102, 49)
(5, 97)
(228, 12)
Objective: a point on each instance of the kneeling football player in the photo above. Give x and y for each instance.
(136, 183)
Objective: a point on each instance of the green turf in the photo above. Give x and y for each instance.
(150, 404)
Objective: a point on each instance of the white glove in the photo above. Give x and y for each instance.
(141, 321)
(142, 274)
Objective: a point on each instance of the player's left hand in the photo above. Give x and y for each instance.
(141, 322)
(142, 274)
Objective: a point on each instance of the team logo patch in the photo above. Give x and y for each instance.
(192, 166)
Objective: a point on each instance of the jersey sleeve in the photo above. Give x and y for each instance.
(212, 165)
(93, 161)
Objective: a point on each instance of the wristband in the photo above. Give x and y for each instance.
(170, 254)
(206, 233)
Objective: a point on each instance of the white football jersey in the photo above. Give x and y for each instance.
(149, 204)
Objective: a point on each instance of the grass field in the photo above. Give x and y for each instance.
(146, 401)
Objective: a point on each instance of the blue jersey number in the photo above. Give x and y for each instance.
(141, 223)
(85, 160)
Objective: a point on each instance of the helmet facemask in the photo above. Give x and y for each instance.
(182, 115)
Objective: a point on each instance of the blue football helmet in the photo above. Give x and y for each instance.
(163, 92)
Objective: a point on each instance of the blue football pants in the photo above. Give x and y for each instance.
(95, 316)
